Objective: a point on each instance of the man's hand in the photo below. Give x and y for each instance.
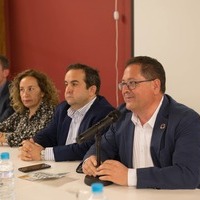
(90, 166)
(30, 150)
(114, 171)
(2, 139)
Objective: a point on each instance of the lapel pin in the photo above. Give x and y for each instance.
(162, 126)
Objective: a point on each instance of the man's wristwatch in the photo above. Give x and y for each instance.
(42, 155)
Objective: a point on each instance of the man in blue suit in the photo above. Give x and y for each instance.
(83, 108)
(5, 108)
(156, 141)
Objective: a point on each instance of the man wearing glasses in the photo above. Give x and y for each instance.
(156, 141)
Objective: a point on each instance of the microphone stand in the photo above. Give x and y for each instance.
(91, 179)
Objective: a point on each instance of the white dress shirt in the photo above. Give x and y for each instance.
(141, 147)
(77, 117)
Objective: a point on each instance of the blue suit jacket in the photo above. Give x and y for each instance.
(55, 134)
(5, 108)
(175, 147)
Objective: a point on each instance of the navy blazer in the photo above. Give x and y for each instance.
(55, 134)
(5, 109)
(175, 147)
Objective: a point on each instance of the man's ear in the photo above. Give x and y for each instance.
(93, 89)
(157, 85)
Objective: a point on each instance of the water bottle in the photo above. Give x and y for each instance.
(6, 177)
(97, 192)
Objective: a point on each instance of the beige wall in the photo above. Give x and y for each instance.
(169, 30)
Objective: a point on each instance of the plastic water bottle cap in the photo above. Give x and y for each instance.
(97, 187)
(5, 156)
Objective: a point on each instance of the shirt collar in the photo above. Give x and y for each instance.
(152, 120)
(81, 111)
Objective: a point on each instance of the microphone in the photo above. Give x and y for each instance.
(99, 126)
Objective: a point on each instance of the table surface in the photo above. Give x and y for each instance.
(68, 186)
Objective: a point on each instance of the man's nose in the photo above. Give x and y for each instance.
(68, 88)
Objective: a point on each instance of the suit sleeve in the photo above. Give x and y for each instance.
(47, 137)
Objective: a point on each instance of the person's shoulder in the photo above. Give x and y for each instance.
(62, 106)
(100, 107)
(46, 108)
(177, 108)
(101, 102)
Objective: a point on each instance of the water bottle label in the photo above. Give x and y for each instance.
(6, 174)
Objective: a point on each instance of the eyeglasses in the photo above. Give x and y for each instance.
(131, 84)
